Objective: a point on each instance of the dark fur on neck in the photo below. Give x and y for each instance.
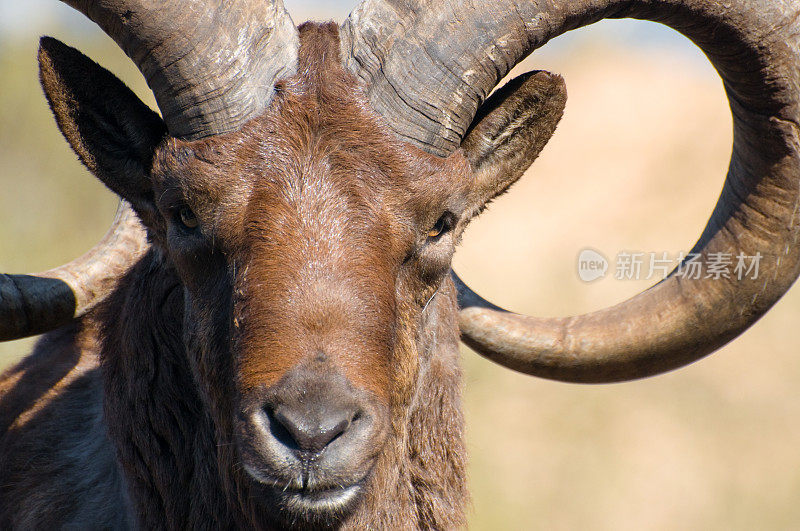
(169, 445)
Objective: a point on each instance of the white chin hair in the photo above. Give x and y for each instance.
(326, 500)
(331, 500)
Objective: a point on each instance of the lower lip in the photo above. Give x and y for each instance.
(331, 500)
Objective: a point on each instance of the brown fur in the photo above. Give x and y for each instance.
(201, 324)
(313, 256)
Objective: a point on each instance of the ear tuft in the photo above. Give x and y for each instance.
(511, 129)
(113, 133)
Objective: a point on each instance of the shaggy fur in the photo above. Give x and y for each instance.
(168, 384)
(322, 239)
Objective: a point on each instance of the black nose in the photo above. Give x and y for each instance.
(310, 427)
(312, 430)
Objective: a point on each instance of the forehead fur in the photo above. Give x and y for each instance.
(315, 203)
(319, 134)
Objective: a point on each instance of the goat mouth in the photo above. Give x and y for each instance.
(334, 501)
(313, 503)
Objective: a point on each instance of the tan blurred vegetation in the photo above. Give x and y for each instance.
(636, 165)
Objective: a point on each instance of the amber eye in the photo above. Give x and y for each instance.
(187, 217)
(442, 225)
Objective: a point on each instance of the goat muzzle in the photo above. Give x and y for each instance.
(311, 440)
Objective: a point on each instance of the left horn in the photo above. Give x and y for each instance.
(211, 64)
(429, 64)
(33, 304)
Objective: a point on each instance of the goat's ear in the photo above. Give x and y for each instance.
(113, 133)
(511, 129)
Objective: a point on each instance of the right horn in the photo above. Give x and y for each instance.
(428, 66)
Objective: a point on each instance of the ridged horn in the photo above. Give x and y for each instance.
(32, 304)
(428, 65)
(211, 64)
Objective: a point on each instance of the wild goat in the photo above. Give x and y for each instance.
(268, 336)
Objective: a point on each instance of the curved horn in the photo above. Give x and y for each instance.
(211, 64)
(428, 67)
(32, 304)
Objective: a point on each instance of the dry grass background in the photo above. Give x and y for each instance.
(637, 164)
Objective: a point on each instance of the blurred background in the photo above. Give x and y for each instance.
(636, 165)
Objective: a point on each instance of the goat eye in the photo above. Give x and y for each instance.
(442, 225)
(187, 217)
